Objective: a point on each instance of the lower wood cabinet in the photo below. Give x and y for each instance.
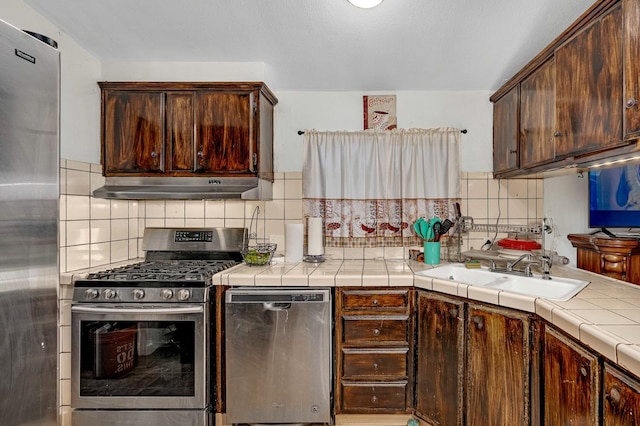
(440, 352)
(571, 382)
(473, 363)
(498, 366)
(374, 350)
(621, 398)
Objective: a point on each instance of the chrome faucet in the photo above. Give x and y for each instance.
(510, 265)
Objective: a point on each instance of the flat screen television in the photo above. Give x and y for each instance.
(614, 197)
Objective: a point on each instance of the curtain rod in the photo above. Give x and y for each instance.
(463, 131)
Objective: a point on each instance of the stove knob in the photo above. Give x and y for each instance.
(109, 294)
(91, 293)
(138, 293)
(183, 295)
(166, 294)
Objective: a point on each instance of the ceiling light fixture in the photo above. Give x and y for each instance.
(365, 4)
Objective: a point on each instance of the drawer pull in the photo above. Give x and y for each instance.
(375, 302)
(374, 399)
(375, 366)
(376, 332)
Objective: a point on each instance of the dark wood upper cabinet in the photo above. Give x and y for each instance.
(180, 125)
(631, 43)
(225, 140)
(571, 379)
(133, 126)
(621, 398)
(187, 129)
(589, 88)
(578, 98)
(537, 116)
(505, 132)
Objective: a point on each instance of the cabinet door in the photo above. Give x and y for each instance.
(505, 131)
(538, 116)
(440, 360)
(631, 43)
(570, 382)
(621, 403)
(225, 132)
(498, 365)
(589, 88)
(133, 132)
(180, 131)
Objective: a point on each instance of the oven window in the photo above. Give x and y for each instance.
(141, 358)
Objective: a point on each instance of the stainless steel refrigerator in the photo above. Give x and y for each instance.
(29, 194)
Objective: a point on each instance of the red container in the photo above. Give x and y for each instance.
(114, 352)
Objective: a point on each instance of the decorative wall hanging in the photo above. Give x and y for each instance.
(380, 112)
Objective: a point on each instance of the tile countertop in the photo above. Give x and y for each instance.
(604, 316)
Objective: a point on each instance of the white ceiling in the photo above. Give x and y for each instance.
(320, 45)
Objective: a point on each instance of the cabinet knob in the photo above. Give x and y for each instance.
(583, 371)
(154, 154)
(374, 399)
(614, 396)
(631, 102)
(479, 321)
(376, 332)
(375, 302)
(200, 154)
(557, 134)
(375, 366)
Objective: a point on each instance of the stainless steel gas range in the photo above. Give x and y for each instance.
(141, 333)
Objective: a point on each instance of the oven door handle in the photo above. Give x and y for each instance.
(179, 310)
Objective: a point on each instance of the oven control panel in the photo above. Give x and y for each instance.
(137, 294)
(189, 236)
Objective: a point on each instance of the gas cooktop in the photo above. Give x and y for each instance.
(178, 267)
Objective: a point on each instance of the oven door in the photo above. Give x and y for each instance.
(139, 356)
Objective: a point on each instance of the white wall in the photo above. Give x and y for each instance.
(566, 202)
(80, 96)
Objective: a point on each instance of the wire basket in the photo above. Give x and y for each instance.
(258, 254)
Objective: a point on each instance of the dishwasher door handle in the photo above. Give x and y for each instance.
(275, 306)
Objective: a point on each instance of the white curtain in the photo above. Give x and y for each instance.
(371, 186)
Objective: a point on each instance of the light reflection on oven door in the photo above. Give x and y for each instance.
(143, 360)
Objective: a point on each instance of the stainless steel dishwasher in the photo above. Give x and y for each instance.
(278, 355)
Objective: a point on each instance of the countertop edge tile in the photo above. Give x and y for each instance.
(601, 341)
(629, 358)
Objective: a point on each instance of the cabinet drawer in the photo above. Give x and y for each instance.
(378, 299)
(382, 397)
(359, 330)
(374, 364)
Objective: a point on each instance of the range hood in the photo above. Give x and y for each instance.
(185, 188)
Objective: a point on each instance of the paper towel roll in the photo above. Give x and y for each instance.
(314, 247)
(293, 241)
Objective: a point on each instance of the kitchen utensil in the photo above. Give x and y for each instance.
(437, 231)
(446, 226)
(430, 234)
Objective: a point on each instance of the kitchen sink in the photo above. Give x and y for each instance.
(557, 288)
(459, 273)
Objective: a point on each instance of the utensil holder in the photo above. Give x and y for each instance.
(432, 252)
